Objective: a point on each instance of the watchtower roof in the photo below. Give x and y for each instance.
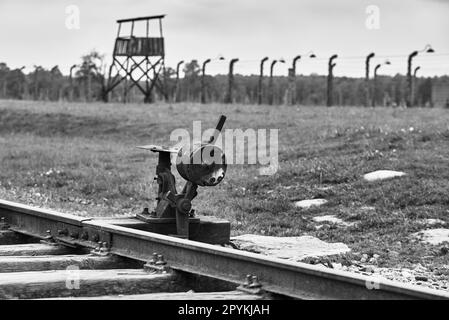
(141, 18)
(135, 45)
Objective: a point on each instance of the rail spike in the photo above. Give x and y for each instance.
(157, 265)
(3, 224)
(252, 285)
(49, 239)
(101, 250)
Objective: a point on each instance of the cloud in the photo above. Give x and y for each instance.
(247, 29)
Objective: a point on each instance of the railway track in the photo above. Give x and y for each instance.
(49, 255)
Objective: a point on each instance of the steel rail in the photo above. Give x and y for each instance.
(292, 279)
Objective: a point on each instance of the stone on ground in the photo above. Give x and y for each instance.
(382, 175)
(434, 221)
(433, 236)
(332, 219)
(305, 204)
(291, 248)
(431, 222)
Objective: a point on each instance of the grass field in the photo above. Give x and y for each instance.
(81, 158)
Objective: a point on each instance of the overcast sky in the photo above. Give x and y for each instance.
(35, 32)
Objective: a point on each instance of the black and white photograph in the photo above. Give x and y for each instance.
(224, 156)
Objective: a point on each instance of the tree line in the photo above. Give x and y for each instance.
(89, 82)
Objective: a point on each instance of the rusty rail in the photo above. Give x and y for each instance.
(292, 279)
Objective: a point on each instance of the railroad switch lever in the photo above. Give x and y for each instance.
(203, 164)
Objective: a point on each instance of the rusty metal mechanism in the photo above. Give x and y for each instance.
(203, 165)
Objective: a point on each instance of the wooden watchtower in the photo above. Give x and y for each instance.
(138, 60)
